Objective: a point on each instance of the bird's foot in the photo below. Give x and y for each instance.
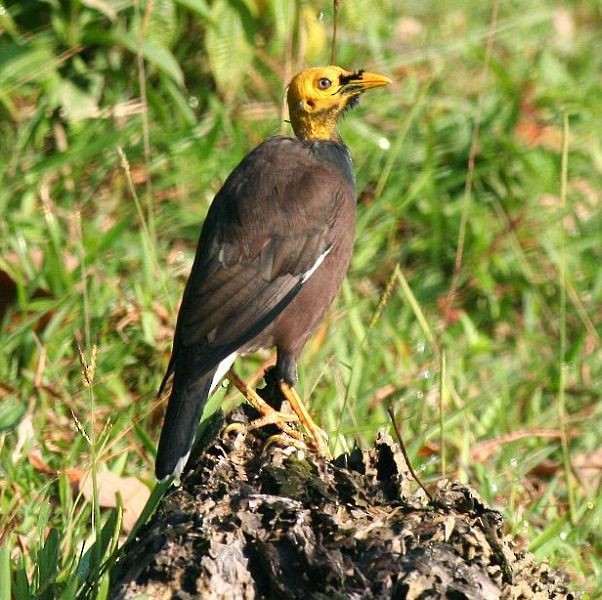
(267, 414)
(318, 437)
(235, 428)
(282, 439)
(279, 419)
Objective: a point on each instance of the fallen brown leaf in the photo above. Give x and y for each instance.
(483, 450)
(38, 463)
(532, 130)
(133, 492)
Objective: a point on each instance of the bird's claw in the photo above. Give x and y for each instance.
(280, 420)
(317, 436)
(235, 427)
(284, 440)
(318, 439)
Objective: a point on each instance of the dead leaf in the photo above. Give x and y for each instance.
(483, 450)
(429, 449)
(38, 463)
(134, 494)
(75, 475)
(532, 130)
(451, 306)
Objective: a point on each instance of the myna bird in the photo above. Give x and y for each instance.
(272, 255)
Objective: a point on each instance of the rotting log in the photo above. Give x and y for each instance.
(249, 523)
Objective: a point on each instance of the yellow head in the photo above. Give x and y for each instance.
(318, 97)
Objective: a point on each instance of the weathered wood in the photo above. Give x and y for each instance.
(248, 523)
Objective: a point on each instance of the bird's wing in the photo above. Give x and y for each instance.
(268, 229)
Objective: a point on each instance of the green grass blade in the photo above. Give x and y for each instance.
(5, 571)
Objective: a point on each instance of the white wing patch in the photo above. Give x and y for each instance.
(314, 267)
(177, 472)
(222, 369)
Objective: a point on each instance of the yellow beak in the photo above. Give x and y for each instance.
(361, 81)
(374, 80)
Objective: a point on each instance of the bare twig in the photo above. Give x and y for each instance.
(336, 7)
(405, 454)
(144, 24)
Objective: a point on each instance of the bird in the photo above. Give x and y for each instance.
(272, 254)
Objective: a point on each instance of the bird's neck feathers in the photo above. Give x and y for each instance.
(317, 125)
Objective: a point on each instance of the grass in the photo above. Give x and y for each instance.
(499, 388)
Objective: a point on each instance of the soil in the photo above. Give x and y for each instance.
(249, 523)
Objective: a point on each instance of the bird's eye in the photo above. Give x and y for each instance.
(324, 83)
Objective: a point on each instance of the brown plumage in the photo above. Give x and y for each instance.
(272, 254)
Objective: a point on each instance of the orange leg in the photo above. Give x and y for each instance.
(267, 414)
(270, 416)
(318, 436)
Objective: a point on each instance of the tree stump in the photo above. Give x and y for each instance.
(253, 523)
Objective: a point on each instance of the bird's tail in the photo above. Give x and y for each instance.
(186, 402)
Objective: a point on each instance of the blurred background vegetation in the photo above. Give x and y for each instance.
(479, 181)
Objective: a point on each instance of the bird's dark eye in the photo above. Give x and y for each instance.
(324, 83)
